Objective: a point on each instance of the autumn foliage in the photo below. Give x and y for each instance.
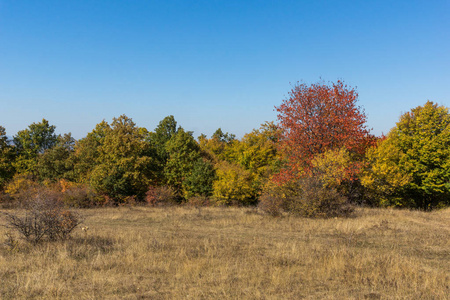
(320, 117)
(315, 160)
(411, 166)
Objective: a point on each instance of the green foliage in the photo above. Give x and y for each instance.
(6, 158)
(31, 142)
(223, 137)
(87, 151)
(183, 154)
(199, 182)
(116, 159)
(166, 129)
(37, 138)
(411, 167)
(57, 163)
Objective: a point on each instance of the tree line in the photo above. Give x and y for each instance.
(318, 159)
(120, 162)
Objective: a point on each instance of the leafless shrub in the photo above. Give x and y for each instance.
(271, 204)
(43, 218)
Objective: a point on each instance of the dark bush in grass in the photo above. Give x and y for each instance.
(271, 204)
(43, 218)
(82, 196)
(161, 196)
(307, 197)
(316, 200)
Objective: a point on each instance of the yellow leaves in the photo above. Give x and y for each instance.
(242, 166)
(19, 183)
(332, 166)
(385, 173)
(64, 185)
(233, 183)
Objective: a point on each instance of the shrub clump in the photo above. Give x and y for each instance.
(273, 198)
(19, 190)
(308, 197)
(316, 200)
(161, 196)
(197, 201)
(81, 196)
(44, 218)
(271, 204)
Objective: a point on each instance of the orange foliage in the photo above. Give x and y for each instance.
(318, 118)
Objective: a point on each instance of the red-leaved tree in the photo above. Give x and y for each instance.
(320, 117)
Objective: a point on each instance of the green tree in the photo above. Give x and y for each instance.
(57, 163)
(199, 182)
(31, 142)
(223, 137)
(183, 153)
(6, 158)
(87, 151)
(166, 129)
(411, 167)
(117, 159)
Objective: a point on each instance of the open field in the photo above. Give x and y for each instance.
(235, 253)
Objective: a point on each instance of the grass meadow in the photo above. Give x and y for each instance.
(234, 253)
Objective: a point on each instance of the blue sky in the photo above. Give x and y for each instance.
(213, 63)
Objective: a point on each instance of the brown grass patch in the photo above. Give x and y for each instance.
(235, 253)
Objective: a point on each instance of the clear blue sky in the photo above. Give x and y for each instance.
(213, 63)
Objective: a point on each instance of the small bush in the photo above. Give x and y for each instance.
(6, 201)
(315, 199)
(307, 197)
(198, 201)
(19, 190)
(271, 204)
(275, 196)
(81, 196)
(161, 196)
(44, 218)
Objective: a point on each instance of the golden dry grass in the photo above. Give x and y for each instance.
(236, 253)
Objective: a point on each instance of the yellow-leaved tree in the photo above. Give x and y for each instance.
(411, 166)
(234, 185)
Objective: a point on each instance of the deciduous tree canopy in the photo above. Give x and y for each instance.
(320, 117)
(411, 167)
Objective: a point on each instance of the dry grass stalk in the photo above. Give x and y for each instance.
(235, 253)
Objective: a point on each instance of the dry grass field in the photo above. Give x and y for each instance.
(235, 253)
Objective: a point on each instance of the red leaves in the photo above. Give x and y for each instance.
(317, 118)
